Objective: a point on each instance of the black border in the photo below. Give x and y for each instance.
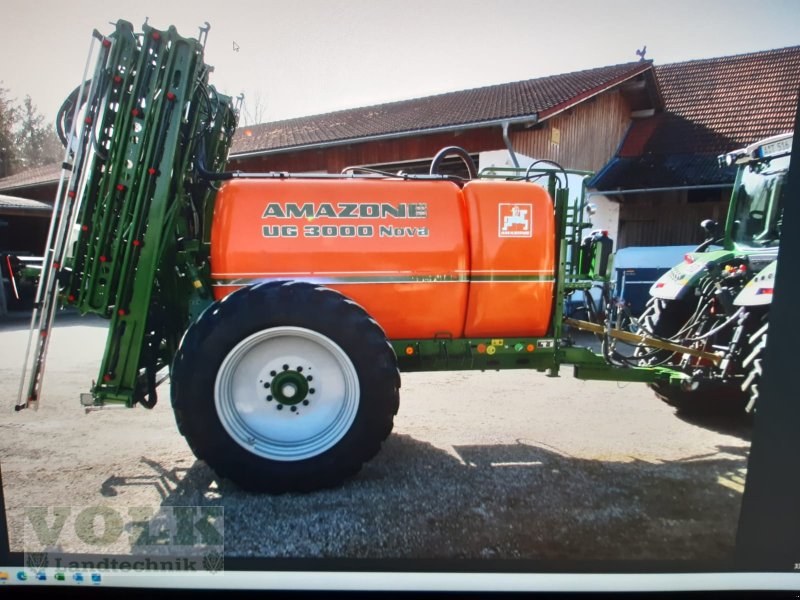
(769, 522)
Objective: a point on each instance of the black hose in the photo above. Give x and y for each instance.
(64, 116)
(547, 162)
(203, 90)
(70, 107)
(200, 166)
(458, 151)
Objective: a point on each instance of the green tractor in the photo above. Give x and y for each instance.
(718, 298)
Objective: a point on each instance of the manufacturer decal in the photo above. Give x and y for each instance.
(515, 220)
(327, 211)
(344, 210)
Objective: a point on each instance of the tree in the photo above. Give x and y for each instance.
(36, 142)
(253, 113)
(8, 116)
(25, 140)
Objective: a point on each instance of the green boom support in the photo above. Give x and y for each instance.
(138, 250)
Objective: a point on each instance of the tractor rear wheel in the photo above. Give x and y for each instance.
(753, 362)
(665, 318)
(285, 387)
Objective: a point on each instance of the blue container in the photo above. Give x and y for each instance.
(633, 285)
(637, 268)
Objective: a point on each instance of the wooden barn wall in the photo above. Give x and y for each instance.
(336, 158)
(589, 133)
(668, 218)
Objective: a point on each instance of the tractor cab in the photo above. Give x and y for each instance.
(756, 211)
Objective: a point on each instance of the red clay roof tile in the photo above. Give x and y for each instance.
(720, 104)
(712, 106)
(31, 177)
(541, 96)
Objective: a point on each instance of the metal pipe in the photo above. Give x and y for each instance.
(662, 189)
(508, 144)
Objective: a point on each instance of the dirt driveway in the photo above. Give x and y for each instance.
(480, 465)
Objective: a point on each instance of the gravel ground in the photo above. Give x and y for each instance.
(480, 465)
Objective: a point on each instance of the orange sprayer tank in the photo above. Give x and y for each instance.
(424, 258)
(397, 248)
(513, 259)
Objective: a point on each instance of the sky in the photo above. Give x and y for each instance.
(295, 58)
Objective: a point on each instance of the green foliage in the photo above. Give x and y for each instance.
(37, 144)
(8, 117)
(25, 140)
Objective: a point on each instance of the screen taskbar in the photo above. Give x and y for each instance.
(129, 577)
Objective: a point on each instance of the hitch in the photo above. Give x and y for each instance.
(635, 338)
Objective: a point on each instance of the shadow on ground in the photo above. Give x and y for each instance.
(736, 422)
(523, 500)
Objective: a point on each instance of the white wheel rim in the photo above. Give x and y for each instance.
(309, 401)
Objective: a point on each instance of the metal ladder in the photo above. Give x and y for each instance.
(68, 195)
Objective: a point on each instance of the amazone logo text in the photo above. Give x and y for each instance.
(343, 210)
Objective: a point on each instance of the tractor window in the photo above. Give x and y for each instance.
(759, 204)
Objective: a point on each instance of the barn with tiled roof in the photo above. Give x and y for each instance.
(593, 104)
(651, 133)
(665, 173)
(529, 101)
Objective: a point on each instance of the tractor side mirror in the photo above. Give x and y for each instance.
(709, 226)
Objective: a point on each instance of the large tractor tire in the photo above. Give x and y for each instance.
(285, 386)
(665, 318)
(753, 363)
